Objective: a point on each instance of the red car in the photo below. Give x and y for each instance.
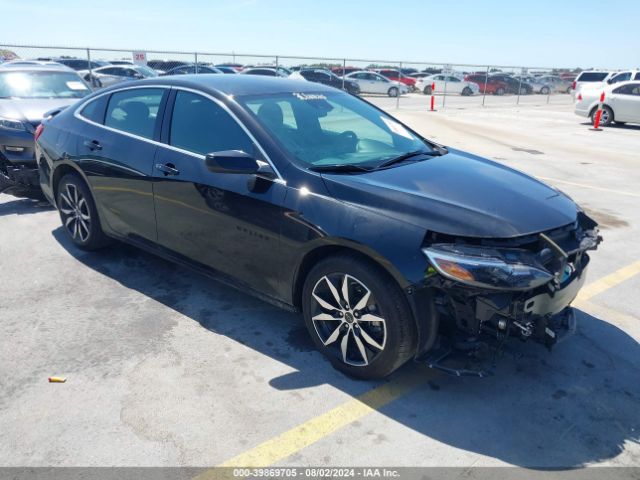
(395, 76)
(494, 86)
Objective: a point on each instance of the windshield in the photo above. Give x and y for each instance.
(332, 128)
(42, 85)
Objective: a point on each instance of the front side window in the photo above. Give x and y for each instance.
(134, 111)
(332, 128)
(201, 126)
(34, 84)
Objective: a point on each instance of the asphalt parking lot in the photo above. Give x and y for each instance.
(167, 368)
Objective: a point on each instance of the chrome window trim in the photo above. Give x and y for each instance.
(78, 115)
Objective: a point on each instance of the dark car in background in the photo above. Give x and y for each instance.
(342, 71)
(264, 72)
(27, 93)
(391, 246)
(162, 66)
(192, 69)
(514, 85)
(112, 74)
(80, 64)
(326, 77)
(226, 69)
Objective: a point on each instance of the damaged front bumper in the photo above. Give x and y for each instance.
(477, 298)
(19, 180)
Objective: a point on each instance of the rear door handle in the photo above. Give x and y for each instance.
(92, 145)
(167, 169)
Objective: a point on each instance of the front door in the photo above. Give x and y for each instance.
(225, 221)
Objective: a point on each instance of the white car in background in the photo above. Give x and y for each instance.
(450, 83)
(621, 103)
(372, 82)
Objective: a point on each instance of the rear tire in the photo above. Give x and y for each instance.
(375, 314)
(78, 213)
(544, 90)
(500, 91)
(393, 92)
(606, 118)
(427, 90)
(466, 91)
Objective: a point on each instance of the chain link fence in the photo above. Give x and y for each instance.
(403, 84)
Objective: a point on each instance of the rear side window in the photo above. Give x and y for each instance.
(592, 76)
(201, 126)
(134, 111)
(94, 110)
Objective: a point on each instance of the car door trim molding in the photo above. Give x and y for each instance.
(79, 116)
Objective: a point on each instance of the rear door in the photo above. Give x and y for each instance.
(116, 151)
(224, 221)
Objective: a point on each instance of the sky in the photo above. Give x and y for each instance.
(542, 33)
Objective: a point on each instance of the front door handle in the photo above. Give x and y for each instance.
(167, 169)
(92, 145)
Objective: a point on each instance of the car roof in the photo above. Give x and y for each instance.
(36, 68)
(230, 85)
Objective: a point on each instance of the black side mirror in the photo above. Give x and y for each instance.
(233, 161)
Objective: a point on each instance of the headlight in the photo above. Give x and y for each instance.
(488, 267)
(11, 124)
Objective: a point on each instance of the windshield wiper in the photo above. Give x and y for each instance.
(407, 156)
(340, 167)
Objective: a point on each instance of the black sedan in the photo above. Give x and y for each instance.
(326, 77)
(392, 247)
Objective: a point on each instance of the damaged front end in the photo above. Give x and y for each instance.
(482, 292)
(19, 180)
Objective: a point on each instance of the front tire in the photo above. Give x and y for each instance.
(393, 92)
(544, 90)
(427, 90)
(466, 91)
(500, 91)
(358, 317)
(78, 213)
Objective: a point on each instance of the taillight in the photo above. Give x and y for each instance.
(38, 132)
(573, 85)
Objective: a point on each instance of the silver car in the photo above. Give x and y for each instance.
(112, 74)
(27, 92)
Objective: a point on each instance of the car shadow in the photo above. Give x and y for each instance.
(23, 206)
(579, 404)
(613, 126)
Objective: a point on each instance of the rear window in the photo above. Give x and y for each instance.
(592, 76)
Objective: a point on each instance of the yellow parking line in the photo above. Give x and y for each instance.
(315, 429)
(592, 187)
(608, 281)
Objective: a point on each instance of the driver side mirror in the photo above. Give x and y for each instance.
(237, 162)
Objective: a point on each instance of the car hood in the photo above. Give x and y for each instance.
(31, 110)
(458, 194)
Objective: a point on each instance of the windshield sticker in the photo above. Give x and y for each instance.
(309, 96)
(395, 127)
(77, 86)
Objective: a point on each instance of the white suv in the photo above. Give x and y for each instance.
(590, 77)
